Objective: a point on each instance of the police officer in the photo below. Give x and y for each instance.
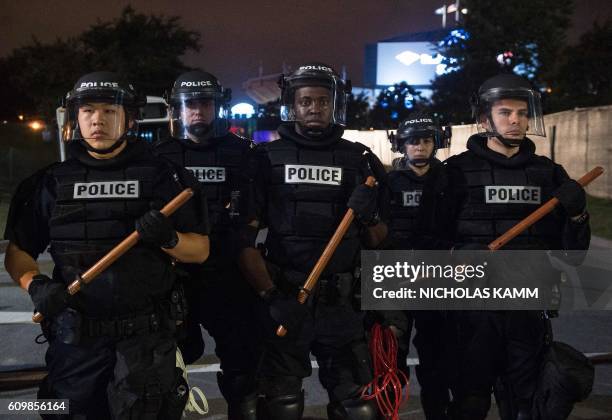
(305, 182)
(418, 138)
(218, 297)
(111, 346)
(505, 343)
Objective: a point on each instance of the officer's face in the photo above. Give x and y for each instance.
(419, 148)
(101, 124)
(511, 118)
(313, 106)
(199, 111)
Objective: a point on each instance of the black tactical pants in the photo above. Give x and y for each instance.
(335, 336)
(491, 344)
(111, 378)
(224, 304)
(432, 371)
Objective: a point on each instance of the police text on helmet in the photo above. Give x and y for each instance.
(201, 83)
(323, 68)
(419, 120)
(98, 84)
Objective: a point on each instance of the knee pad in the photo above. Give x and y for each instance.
(282, 407)
(272, 386)
(353, 409)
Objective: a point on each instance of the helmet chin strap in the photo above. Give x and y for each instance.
(509, 142)
(419, 163)
(199, 130)
(105, 151)
(316, 133)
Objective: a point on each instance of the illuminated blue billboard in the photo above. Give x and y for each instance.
(410, 57)
(416, 63)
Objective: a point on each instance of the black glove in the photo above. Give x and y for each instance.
(363, 201)
(572, 197)
(50, 296)
(155, 229)
(286, 311)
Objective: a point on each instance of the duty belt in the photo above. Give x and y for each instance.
(138, 325)
(336, 289)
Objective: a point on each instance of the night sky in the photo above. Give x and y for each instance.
(238, 35)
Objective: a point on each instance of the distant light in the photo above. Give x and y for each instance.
(243, 108)
(36, 125)
(440, 11)
(20, 117)
(464, 11)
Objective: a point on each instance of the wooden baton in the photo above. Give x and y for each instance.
(123, 247)
(328, 252)
(542, 211)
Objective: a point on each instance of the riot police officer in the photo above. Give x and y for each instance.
(111, 346)
(509, 344)
(219, 299)
(305, 182)
(418, 138)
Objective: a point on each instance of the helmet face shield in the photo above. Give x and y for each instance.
(102, 110)
(424, 133)
(302, 95)
(509, 111)
(198, 115)
(412, 135)
(98, 116)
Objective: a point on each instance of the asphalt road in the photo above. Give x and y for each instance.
(588, 331)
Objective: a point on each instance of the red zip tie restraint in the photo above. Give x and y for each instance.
(386, 387)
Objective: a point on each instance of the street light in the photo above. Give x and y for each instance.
(452, 8)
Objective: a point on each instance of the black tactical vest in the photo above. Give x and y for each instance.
(406, 191)
(307, 189)
(219, 167)
(500, 192)
(95, 208)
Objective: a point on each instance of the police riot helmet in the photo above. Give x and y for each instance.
(416, 127)
(314, 74)
(198, 107)
(111, 90)
(507, 86)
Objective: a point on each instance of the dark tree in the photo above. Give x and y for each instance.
(38, 75)
(394, 104)
(500, 36)
(145, 49)
(585, 79)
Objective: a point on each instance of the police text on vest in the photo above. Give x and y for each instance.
(520, 194)
(208, 173)
(412, 198)
(311, 174)
(107, 189)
